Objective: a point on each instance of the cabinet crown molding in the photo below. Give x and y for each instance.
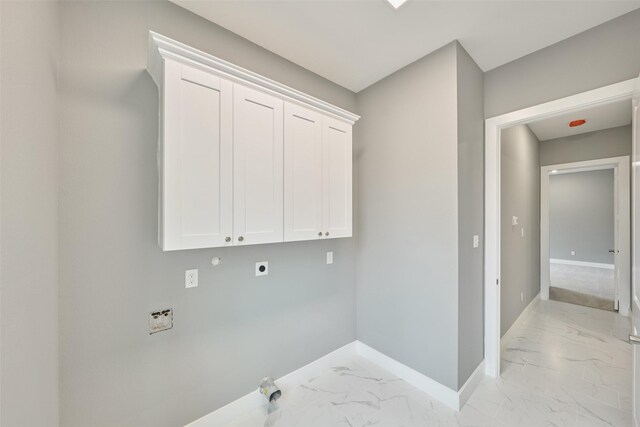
(162, 47)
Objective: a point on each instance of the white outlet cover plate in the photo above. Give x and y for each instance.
(329, 257)
(191, 278)
(266, 268)
(476, 241)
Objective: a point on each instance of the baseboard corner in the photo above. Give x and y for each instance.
(471, 384)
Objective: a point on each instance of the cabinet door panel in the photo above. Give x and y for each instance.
(302, 173)
(197, 159)
(337, 178)
(258, 167)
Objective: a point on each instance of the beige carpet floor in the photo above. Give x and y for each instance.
(573, 297)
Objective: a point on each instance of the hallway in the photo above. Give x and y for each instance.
(565, 365)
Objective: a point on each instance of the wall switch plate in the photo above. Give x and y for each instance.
(476, 241)
(514, 220)
(160, 320)
(329, 257)
(522, 296)
(191, 278)
(522, 232)
(262, 268)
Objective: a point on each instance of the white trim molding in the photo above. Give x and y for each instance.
(162, 47)
(254, 401)
(451, 398)
(420, 381)
(470, 385)
(516, 324)
(582, 263)
(288, 383)
(493, 127)
(622, 214)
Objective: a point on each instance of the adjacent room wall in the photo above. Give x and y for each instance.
(601, 144)
(600, 56)
(581, 216)
(232, 329)
(470, 210)
(29, 192)
(407, 220)
(519, 196)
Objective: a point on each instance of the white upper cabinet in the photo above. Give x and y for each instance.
(303, 173)
(258, 167)
(336, 178)
(243, 159)
(196, 159)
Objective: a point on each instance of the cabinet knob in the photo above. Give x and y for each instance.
(227, 239)
(240, 239)
(320, 233)
(326, 234)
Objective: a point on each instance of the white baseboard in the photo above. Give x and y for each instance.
(255, 401)
(509, 334)
(581, 263)
(420, 381)
(451, 398)
(470, 385)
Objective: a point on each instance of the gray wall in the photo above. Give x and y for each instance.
(581, 217)
(519, 196)
(601, 144)
(231, 330)
(407, 221)
(420, 171)
(598, 57)
(470, 217)
(29, 248)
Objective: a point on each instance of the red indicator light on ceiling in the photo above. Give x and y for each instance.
(576, 123)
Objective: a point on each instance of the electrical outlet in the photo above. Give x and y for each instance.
(476, 241)
(160, 320)
(191, 278)
(522, 232)
(329, 257)
(573, 253)
(262, 268)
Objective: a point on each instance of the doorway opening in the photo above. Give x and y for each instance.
(585, 233)
(493, 217)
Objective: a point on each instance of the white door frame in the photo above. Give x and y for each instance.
(622, 243)
(635, 188)
(493, 126)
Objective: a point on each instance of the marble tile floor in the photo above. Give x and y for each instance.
(566, 366)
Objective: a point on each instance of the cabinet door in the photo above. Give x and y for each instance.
(258, 167)
(302, 173)
(337, 177)
(196, 159)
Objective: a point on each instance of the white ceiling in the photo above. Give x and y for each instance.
(598, 118)
(356, 43)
